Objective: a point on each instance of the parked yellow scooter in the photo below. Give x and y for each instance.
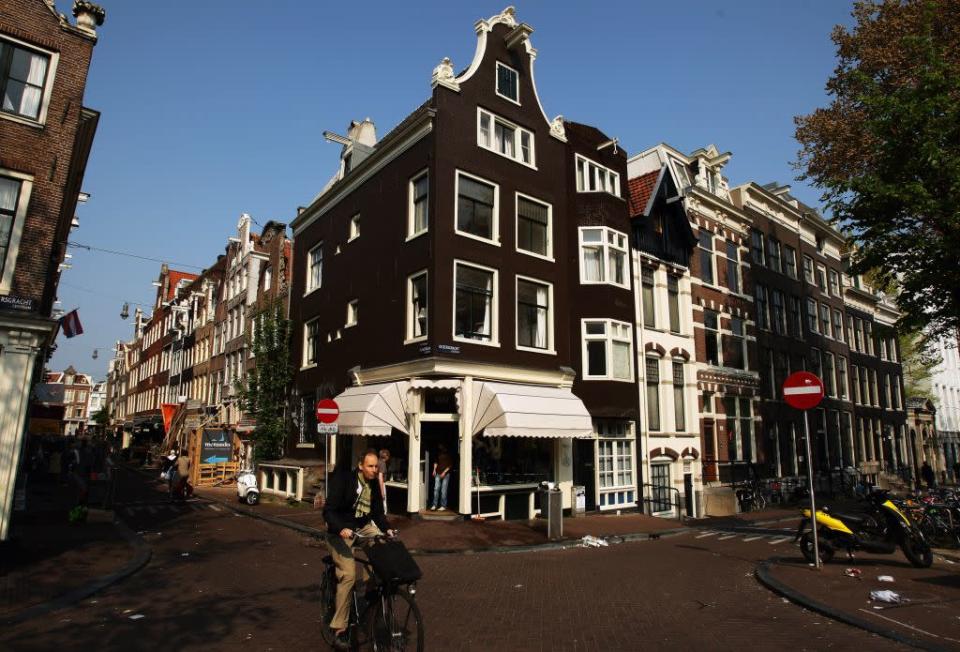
(881, 530)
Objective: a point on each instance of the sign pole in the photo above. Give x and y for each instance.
(813, 502)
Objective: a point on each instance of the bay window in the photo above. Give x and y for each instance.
(603, 256)
(593, 177)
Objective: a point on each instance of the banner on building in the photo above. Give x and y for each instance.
(216, 447)
(168, 410)
(70, 323)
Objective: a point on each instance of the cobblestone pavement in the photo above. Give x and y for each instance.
(218, 581)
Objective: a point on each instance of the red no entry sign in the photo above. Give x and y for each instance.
(327, 410)
(803, 390)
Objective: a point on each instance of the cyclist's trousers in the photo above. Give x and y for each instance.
(342, 555)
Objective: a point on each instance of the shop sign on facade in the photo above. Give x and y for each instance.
(19, 304)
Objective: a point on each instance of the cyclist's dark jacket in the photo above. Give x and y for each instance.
(341, 503)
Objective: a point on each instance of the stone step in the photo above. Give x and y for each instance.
(439, 515)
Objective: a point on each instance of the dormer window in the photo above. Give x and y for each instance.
(593, 177)
(505, 138)
(508, 86)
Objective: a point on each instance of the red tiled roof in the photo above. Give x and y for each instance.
(175, 277)
(639, 190)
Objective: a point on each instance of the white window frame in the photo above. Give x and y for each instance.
(495, 222)
(410, 338)
(304, 362)
(53, 59)
(496, 82)
(494, 305)
(627, 441)
(353, 311)
(16, 229)
(309, 287)
(491, 146)
(551, 342)
(594, 174)
(354, 228)
(606, 245)
(516, 228)
(608, 338)
(411, 209)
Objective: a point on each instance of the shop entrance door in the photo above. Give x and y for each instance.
(433, 436)
(584, 471)
(688, 493)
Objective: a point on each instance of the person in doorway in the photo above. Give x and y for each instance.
(441, 478)
(383, 471)
(926, 472)
(354, 506)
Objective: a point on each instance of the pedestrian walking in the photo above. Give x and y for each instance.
(926, 472)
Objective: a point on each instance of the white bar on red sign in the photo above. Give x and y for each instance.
(802, 390)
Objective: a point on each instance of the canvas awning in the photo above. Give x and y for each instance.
(508, 410)
(373, 409)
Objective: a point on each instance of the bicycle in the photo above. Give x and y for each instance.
(386, 618)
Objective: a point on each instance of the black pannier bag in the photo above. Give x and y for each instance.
(392, 562)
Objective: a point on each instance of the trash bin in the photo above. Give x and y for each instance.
(578, 500)
(551, 508)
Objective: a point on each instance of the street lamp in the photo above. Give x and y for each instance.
(125, 311)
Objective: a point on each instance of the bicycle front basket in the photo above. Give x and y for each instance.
(392, 562)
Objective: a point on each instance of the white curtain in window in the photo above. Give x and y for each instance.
(488, 307)
(8, 194)
(617, 261)
(593, 263)
(621, 360)
(541, 341)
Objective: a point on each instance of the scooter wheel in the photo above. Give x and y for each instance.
(806, 547)
(917, 551)
(252, 498)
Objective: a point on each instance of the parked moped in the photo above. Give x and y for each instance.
(247, 489)
(880, 530)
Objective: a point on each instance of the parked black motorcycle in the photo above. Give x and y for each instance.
(880, 530)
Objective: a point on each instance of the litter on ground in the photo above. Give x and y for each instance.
(852, 572)
(885, 596)
(884, 578)
(593, 542)
(137, 616)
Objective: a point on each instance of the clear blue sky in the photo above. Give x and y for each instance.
(214, 108)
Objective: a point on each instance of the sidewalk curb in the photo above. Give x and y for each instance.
(142, 554)
(766, 579)
(424, 552)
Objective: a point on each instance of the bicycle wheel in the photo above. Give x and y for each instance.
(328, 602)
(395, 624)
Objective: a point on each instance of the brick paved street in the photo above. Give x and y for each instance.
(218, 580)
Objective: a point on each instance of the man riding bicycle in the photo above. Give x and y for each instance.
(354, 506)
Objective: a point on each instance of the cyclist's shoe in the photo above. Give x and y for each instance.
(341, 641)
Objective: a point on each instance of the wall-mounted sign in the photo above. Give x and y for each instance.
(448, 348)
(215, 447)
(19, 304)
(426, 349)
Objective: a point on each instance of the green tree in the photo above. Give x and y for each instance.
(264, 396)
(101, 417)
(886, 152)
(918, 363)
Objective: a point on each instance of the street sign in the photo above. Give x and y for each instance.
(327, 428)
(803, 390)
(327, 410)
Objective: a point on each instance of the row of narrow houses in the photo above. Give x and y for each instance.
(519, 293)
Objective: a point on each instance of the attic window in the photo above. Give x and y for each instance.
(508, 83)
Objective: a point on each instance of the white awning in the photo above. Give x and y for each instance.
(373, 409)
(508, 410)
